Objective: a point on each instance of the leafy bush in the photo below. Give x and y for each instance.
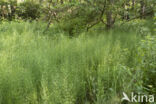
(147, 49)
(142, 27)
(28, 10)
(25, 10)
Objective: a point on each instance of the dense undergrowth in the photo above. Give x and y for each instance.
(36, 68)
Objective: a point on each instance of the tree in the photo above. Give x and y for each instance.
(142, 9)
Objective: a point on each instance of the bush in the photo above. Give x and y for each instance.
(25, 10)
(28, 10)
(147, 49)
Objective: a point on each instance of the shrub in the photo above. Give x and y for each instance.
(147, 51)
(28, 10)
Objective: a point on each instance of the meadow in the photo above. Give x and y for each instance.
(92, 68)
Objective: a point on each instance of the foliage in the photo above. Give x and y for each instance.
(28, 10)
(76, 51)
(25, 10)
(148, 51)
(7, 10)
(77, 17)
(96, 69)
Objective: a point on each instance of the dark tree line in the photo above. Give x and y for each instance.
(79, 14)
(102, 11)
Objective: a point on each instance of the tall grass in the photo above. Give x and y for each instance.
(39, 69)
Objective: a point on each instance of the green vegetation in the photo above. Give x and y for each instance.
(94, 68)
(77, 51)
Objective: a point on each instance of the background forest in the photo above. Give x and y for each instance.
(77, 51)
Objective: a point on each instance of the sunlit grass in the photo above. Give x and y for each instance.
(36, 68)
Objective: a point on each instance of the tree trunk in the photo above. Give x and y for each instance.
(142, 9)
(110, 21)
(133, 4)
(61, 1)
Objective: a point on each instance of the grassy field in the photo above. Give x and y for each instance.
(54, 69)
